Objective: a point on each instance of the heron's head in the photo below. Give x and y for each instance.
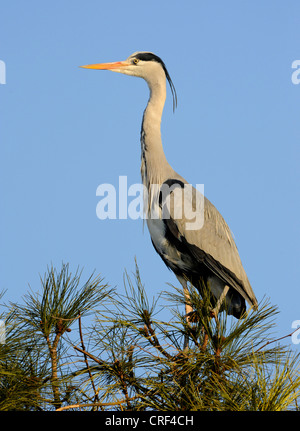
(145, 65)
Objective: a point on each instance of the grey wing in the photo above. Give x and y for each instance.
(207, 238)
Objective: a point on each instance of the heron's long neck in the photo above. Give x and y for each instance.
(154, 163)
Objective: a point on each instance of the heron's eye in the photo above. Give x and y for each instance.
(135, 61)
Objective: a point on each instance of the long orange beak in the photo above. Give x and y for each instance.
(107, 66)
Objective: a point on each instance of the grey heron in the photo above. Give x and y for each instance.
(207, 254)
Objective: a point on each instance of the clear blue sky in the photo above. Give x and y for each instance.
(65, 130)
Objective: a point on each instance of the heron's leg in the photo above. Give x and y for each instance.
(216, 310)
(188, 307)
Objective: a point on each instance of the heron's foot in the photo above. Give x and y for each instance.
(192, 317)
(214, 314)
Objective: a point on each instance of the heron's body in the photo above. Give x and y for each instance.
(207, 254)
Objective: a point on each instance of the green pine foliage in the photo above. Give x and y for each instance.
(77, 345)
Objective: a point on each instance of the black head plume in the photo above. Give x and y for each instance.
(149, 56)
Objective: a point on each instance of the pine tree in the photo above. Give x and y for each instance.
(130, 357)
